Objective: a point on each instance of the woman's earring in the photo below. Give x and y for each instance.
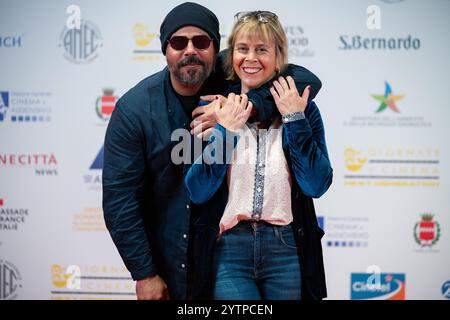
(277, 67)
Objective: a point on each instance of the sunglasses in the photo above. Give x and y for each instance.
(181, 42)
(262, 16)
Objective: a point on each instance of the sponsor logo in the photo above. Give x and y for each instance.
(361, 43)
(10, 280)
(81, 45)
(298, 41)
(43, 164)
(387, 100)
(345, 232)
(387, 113)
(446, 289)
(91, 282)
(146, 43)
(10, 41)
(94, 178)
(104, 105)
(382, 286)
(392, 167)
(11, 218)
(321, 222)
(89, 220)
(4, 104)
(25, 107)
(427, 232)
(98, 161)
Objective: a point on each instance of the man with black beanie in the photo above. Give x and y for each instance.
(146, 208)
(190, 14)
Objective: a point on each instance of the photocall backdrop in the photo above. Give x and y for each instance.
(384, 102)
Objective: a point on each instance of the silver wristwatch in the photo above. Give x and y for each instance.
(293, 116)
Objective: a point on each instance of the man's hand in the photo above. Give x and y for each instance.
(213, 97)
(152, 288)
(205, 116)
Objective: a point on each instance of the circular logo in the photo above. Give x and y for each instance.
(446, 289)
(10, 280)
(81, 45)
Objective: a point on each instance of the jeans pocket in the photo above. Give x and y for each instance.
(287, 237)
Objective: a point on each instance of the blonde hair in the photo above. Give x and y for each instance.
(268, 30)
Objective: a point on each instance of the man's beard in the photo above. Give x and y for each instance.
(191, 77)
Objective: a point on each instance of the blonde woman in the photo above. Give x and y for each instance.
(257, 236)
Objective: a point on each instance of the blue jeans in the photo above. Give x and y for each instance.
(257, 260)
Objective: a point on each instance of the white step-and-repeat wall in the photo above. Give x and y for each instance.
(385, 104)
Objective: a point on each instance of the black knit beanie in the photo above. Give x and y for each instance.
(190, 14)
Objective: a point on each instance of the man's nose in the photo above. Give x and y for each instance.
(190, 49)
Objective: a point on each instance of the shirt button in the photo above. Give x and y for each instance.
(187, 206)
(185, 236)
(183, 265)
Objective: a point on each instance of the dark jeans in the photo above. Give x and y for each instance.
(257, 260)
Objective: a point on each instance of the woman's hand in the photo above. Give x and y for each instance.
(286, 96)
(235, 112)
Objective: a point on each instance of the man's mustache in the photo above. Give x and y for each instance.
(191, 60)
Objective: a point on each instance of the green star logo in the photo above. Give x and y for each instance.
(387, 100)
